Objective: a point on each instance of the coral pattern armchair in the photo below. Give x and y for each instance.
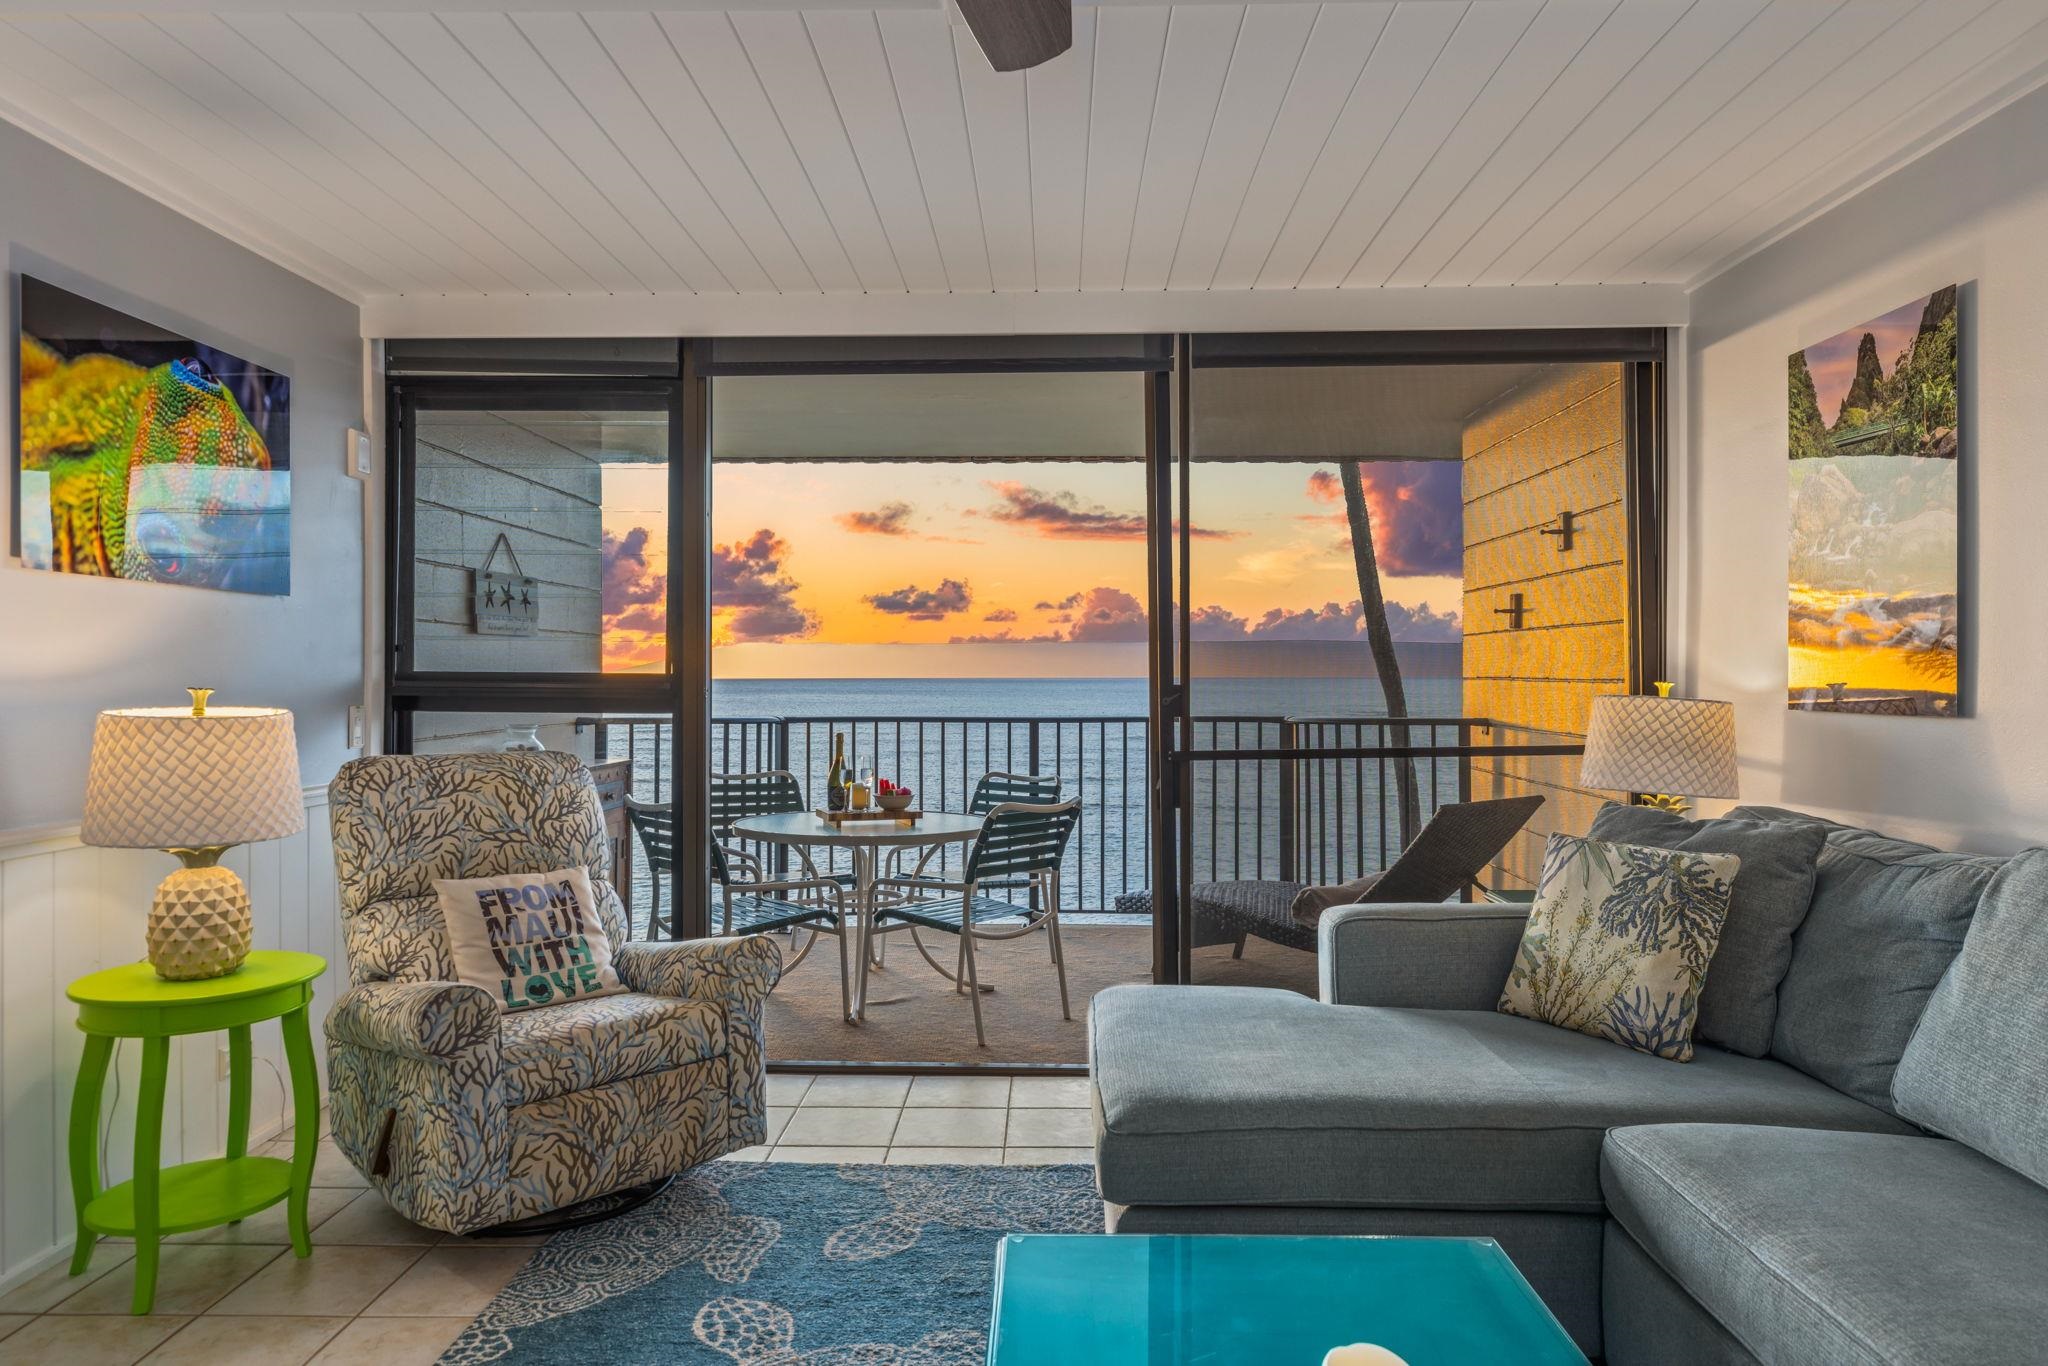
(465, 1116)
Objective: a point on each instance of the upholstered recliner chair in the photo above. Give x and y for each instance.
(465, 1116)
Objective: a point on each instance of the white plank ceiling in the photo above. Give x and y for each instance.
(673, 150)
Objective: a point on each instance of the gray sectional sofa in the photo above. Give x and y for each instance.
(1796, 1207)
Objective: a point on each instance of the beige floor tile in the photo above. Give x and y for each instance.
(190, 1277)
(960, 1091)
(272, 1226)
(367, 1219)
(231, 1340)
(924, 1157)
(1040, 1157)
(450, 1280)
(1048, 1093)
(55, 1282)
(787, 1088)
(330, 1168)
(785, 1154)
(336, 1280)
(778, 1116)
(842, 1126)
(950, 1129)
(392, 1342)
(87, 1340)
(1050, 1129)
(758, 1153)
(857, 1091)
(12, 1323)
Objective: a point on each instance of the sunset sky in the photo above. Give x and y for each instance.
(1833, 362)
(1025, 560)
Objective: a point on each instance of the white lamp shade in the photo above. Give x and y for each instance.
(1681, 746)
(162, 778)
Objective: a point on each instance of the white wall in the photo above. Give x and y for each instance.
(70, 646)
(1974, 211)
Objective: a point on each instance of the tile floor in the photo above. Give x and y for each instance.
(380, 1289)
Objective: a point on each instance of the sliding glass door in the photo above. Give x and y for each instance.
(1398, 569)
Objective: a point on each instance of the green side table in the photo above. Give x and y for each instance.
(132, 1002)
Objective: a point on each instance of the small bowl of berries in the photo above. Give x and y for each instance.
(890, 797)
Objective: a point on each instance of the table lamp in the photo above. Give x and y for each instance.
(1666, 748)
(194, 782)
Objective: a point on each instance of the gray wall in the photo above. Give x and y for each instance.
(69, 645)
(1973, 211)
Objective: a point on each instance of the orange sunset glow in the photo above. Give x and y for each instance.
(826, 569)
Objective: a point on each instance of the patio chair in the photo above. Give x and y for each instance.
(756, 906)
(1019, 847)
(991, 792)
(1457, 843)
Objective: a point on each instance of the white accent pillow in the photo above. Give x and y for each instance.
(530, 939)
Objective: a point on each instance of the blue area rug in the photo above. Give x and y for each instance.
(773, 1264)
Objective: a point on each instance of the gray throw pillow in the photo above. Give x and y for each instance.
(1976, 1068)
(1887, 918)
(1739, 1002)
(1310, 902)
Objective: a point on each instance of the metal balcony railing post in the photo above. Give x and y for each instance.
(1290, 779)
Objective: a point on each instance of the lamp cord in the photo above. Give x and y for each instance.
(107, 1123)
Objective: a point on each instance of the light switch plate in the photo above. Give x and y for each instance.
(355, 726)
(358, 454)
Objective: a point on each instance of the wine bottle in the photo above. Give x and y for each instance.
(835, 779)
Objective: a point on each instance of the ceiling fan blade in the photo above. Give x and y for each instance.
(1015, 34)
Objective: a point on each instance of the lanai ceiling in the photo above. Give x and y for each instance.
(672, 149)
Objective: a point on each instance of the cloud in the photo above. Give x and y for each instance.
(633, 602)
(1331, 621)
(628, 578)
(923, 604)
(1108, 614)
(1001, 614)
(890, 519)
(752, 599)
(1066, 604)
(1060, 515)
(1005, 638)
(1325, 487)
(1418, 515)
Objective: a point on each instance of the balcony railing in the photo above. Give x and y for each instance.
(1318, 820)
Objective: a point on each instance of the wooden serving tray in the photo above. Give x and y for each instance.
(842, 817)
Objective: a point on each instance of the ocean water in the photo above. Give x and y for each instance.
(939, 736)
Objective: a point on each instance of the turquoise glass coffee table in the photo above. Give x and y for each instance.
(1094, 1299)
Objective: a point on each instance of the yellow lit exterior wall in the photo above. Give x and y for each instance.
(1556, 443)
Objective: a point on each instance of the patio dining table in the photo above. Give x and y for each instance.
(864, 840)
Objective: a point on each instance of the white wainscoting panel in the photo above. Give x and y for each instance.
(66, 910)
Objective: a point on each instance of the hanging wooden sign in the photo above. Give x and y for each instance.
(504, 604)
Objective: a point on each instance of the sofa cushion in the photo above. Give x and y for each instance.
(1977, 1067)
(1247, 1096)
(1840, 1247)
(581, 1044)
(1739, 1001)
(1886, 920)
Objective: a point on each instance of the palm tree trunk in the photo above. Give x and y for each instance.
(1380, 637)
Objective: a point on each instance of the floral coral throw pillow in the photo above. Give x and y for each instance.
(1619, 940)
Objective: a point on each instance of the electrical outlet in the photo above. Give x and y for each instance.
(358, 454)
(355, 726)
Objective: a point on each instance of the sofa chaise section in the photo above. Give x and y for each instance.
(1734, 1243)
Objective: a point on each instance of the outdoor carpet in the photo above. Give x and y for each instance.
(793, 1264)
